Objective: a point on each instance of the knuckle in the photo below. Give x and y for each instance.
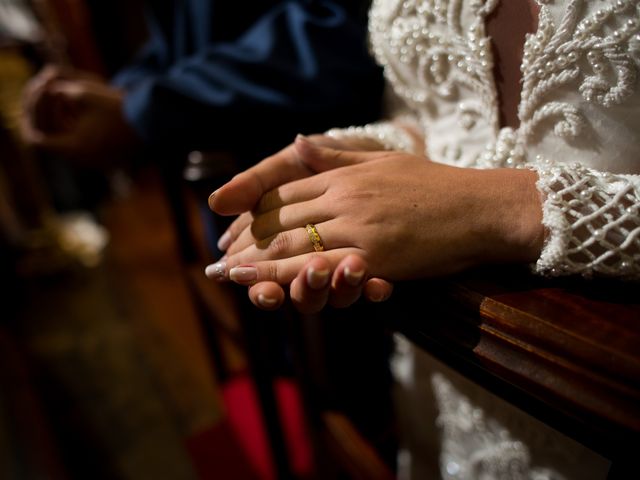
(235, 230)
(238, 226)
(281, 244)
(262, 226)
(258, 229)
(273, 272)
(267, 201)
(337, 155)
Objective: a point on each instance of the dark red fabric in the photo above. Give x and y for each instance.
(217, 454)
(237, 448)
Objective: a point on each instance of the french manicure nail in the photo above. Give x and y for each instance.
(353, 278)
(266, 301)
(210, 201)
(215, 270)
(224, 241)
(317, 279)
(378, 297)
(243, 275)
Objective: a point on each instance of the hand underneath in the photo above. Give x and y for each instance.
(318, 284)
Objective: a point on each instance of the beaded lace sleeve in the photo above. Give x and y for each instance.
(389, 133)
(386, 133)
(592, 220)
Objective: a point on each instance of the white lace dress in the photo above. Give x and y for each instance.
(579, 129)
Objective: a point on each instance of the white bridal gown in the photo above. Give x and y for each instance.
(579, 129)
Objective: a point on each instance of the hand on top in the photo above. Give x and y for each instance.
(405, 216)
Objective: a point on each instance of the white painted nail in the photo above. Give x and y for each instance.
(317, 279)
(266, 301)
(243, 275)
(216, 270)
(210, 200)
(224, 241)
(353, 278)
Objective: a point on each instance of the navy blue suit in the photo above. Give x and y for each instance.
(246, 77)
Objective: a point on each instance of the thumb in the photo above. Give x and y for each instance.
(242, 192)
(319, 157)
(300, 160)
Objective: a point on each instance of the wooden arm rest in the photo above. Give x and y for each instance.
(566, 350)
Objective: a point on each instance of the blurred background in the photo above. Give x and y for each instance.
(103, 369)
(107, 368)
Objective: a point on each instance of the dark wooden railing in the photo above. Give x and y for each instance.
(567, 351)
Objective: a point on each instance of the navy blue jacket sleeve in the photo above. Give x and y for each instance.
(298, 68)
(155, 57)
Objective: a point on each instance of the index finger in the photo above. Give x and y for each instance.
(242, 192)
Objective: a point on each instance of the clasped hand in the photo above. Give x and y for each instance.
(74, 113)
(383, 216)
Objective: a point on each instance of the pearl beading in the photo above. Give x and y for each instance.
(585, 51)
(593, 221)
(427, 39)
(390, 136)
(591, 217)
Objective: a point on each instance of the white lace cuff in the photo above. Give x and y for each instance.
(592, 220)
(389, 135)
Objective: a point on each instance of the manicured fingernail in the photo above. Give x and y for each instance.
(243, 275)
(377, 298)
(317, 279)
(224, 241)
(215, 270)
(353, 278)
(210, 201)
(266, 301)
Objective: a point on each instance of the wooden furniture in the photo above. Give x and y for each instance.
(566, 351)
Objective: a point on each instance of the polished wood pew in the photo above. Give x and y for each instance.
(566, 350)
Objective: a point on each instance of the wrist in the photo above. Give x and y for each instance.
(512, 218)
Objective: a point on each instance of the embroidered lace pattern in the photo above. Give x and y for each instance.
(427, 53)
(477, 446)
(593, 221)
(552, 60)
(481, 437)
(390, 136)
(584, 60)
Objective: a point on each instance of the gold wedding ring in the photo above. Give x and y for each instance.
(314, 236)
